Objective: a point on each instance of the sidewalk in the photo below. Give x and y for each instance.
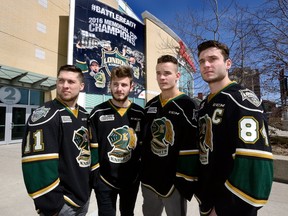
(15, 201)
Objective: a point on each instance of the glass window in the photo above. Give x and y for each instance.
(186, 82)
(36, 97)
(24, 96)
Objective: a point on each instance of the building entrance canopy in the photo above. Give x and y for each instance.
(25, 79)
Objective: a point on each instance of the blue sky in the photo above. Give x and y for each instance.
(166, 10)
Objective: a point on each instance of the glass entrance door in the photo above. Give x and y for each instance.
(12, 122)
(16, 105)
(2, 123)
(18, 123)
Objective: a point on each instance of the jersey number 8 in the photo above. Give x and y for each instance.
(249, 130)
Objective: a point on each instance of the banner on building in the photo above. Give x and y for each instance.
(105, 38)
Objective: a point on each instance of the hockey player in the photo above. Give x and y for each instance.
(236, 169)
(56, 151)
(116, 128)
(169, 154)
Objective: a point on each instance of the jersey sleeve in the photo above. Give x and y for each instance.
(140, 129)
(251, 179)
(188, 159)
(94, 146)
(40, 148)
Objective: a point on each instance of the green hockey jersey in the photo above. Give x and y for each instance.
(116, 139)
(56, 157)
(170, 154)
(236, 171)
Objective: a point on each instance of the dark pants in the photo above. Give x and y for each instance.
(68, 210)
(107, 196)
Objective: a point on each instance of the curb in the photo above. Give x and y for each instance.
(280, 168)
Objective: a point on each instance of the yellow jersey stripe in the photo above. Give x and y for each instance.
(40, 157)
(94, 145)
(252, 201)
(162, 195)
(189, 152)
(95, 167)
(254, 153)
(188, 178)
(68, 200)
(45, 190)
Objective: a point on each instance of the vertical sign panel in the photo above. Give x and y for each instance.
(105, 38)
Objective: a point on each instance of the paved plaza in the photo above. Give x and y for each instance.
(14, 200)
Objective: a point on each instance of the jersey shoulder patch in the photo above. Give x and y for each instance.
(43, 113)
(243, 96)
(250, 96)
(39, 113)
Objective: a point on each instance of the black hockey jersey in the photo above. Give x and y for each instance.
(115, 143)
(236, 171)
(170, 154)
(56, 157)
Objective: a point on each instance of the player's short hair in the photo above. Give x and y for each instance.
(212, 43)
(167, 58)
(122, 71)
(72, 68)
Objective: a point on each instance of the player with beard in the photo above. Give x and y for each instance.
(116, 126)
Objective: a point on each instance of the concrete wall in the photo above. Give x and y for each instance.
(281, 168)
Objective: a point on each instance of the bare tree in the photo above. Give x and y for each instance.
(271, 41)
(257, 37)
(195, 26)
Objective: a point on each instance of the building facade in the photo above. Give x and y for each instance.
(247, 77)
(34, 44)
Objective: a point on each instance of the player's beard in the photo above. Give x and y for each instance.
(67, 99)
(120, 99)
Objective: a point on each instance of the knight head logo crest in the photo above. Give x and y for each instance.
(163, 136)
